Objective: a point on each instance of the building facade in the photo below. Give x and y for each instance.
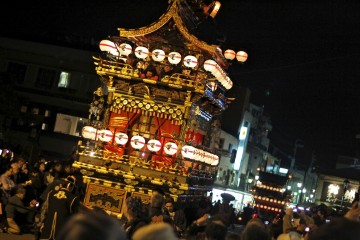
(48, 93)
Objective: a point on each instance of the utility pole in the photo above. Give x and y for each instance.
(313, 159)
(297, 144)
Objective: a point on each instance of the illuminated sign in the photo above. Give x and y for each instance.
(243, 133)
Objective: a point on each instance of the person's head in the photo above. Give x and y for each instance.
(157, 200)
(20, 162)
(157, 191)
(340, 228)
(20, 192)
(16, 168)
(321, 213)
(25, 169)
(34, 172)
(255, 229)
(94, 226)
(133, 208)
(158, 231)
(289, 211)
(42, 166)
(169, 204)
(69, 183)
(167, 68)
(68, 169)
(215, 230)
(58, 167)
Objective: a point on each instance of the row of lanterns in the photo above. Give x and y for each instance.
(159, 55)
(270, 188)
(268, 207)
(269, 200)
(140, 52)
(241, 56)
(138, 142)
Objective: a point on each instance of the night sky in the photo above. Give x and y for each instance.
(303, 66)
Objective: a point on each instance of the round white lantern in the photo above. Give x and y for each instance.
(188, 152)
(241, 56)
(209, 65)
(125, 49)
(158, 55)
(105, 135)
(174, 57)
(137, 142)
(89, 132)
(170, 148)
(108, 46)
(190, 61)
(229, 54)
(141, 52)
(121, 138)
(154, 145)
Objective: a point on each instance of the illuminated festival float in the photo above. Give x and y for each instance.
(270, 195)
(155, 120)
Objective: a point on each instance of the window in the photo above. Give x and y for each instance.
(254, 113)
(45, 78)
(44, 126)
(68, 124)
(230, 147)
(23, 109)
(17, 72)
(47, 113)
(64, 80)
(35, 111)
(221, 143)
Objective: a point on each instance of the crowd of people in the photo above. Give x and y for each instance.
(45, 199)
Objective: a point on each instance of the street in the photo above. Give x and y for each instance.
(6, 236)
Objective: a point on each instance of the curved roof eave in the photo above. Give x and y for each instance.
(170, 13)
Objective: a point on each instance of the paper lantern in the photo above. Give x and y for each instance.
(170, 148)
(105, 135)
(121, 138)
(125, 49)
(109, 46)
(154, 145)
(174, 57)
(209, 65)
(229, 54)
(137, 142)
(190, 61)
(89, 132)
(216, 160)
(208, 159)
(188, 152)
(241, 56)
(202, 156)
(141, 52)
(158, 55)
(214, 8)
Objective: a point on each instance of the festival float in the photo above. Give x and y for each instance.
(154, 120)
(270, 195)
